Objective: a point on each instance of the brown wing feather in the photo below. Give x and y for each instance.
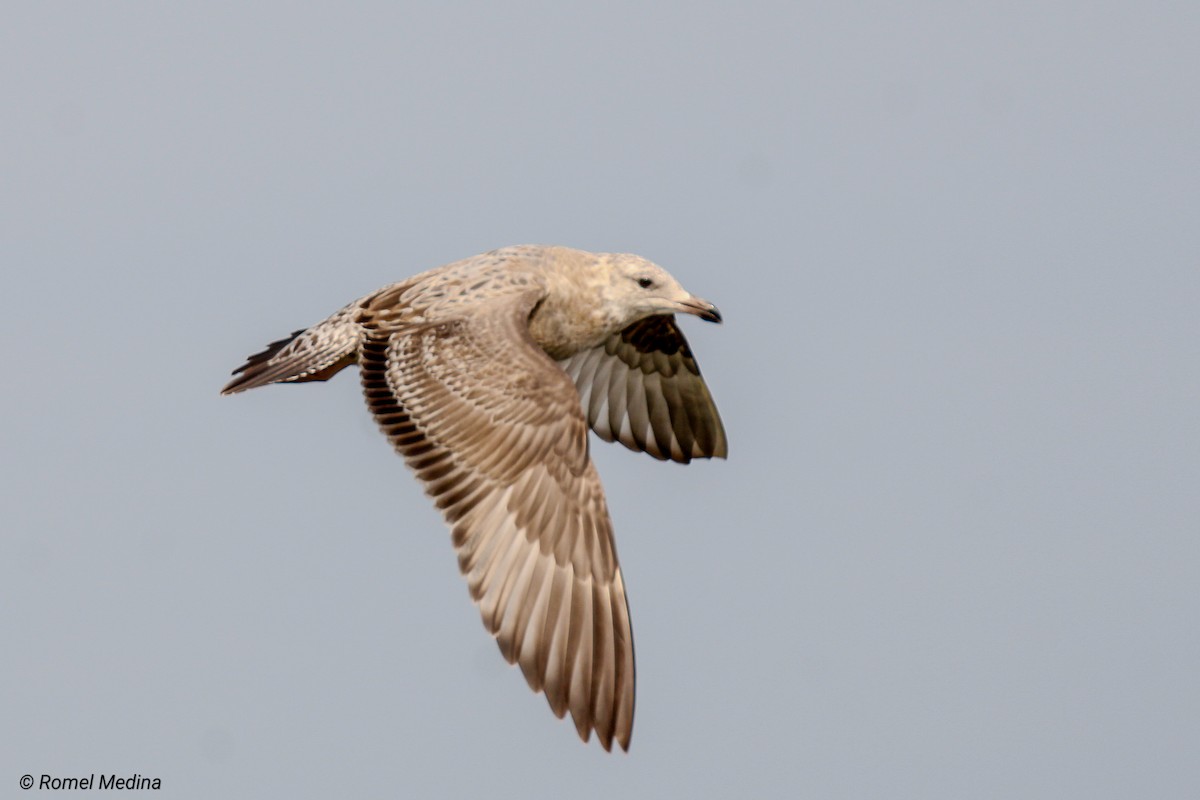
(313, 354)
(495, 431)
(642, 387)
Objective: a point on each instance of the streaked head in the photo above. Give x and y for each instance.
(640, 288)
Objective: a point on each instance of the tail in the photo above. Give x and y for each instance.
(314, 354)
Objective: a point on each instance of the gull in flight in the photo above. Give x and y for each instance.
(485, 375)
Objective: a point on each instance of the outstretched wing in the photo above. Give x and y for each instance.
(494, 430)
(642, 387)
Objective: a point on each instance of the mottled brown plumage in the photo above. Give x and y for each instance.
(485, 375)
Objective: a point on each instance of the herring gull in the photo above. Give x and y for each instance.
(485, 375)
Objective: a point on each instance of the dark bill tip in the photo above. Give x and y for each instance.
(702, 309)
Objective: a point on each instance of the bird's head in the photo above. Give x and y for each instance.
(640, 289)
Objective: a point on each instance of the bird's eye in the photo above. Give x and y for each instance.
(645, 283)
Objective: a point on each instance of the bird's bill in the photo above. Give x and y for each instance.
(701, 308)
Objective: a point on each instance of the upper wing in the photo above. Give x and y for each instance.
(495, 431)
(642, 387)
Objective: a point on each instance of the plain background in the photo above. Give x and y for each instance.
(953, 553)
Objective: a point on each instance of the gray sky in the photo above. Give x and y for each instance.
(953, 553)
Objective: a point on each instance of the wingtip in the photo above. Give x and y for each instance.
(621, 737)
(607, 738)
